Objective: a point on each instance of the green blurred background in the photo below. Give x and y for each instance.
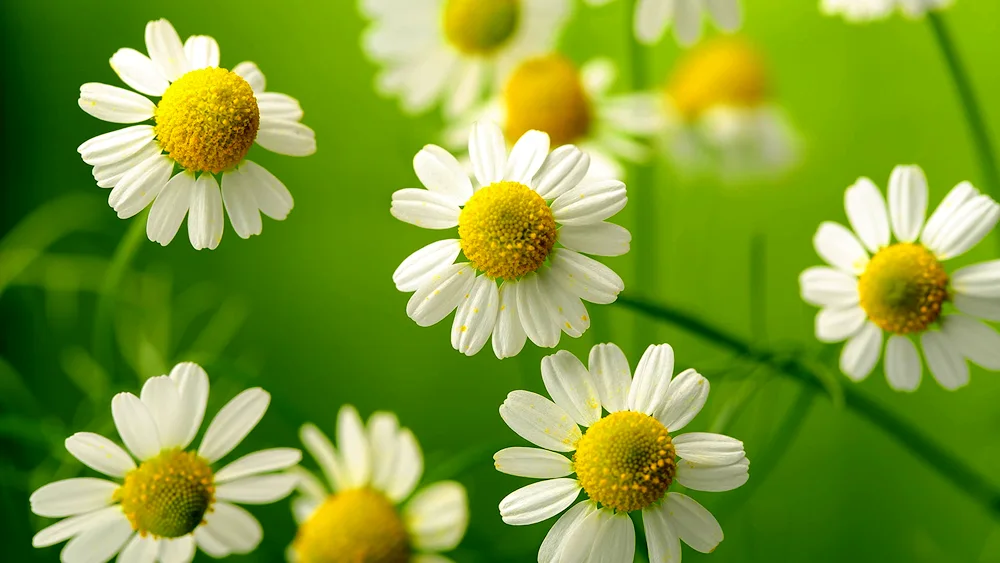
(308, 310)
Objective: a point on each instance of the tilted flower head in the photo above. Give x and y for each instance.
(858, 11)
(573, 106)
(205, 123)
(508, 226)
(361, 513)
(625, 460)
(652, 17)
(174, 499)
(450, 51)
(903, 288)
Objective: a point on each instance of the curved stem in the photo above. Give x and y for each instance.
(919, 444)
(117, 268)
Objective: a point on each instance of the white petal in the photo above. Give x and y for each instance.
(726, 13)
(354, 449)
(208, 543)
(978, 280)
(527, 156)
(419, 266)
(206, 222)
(74, 526)
(568, 383)
(99, 543)
(275, 106)
(581, 545)
(476, 317)
(424, 208)
(836, 324)
(286, 137)
(712, 478)
(192, 385)
(169, 208)
(138, 187)
(694, 524)
(590, 202)
(685, 398)
(979, 307)
(907, 202)
(610, 372)
(839, 247)
(437, 516)
(201, 51)
(140, 550)
(271, 196)
(233, 423)
(566, 308)
(234, 527)
(161, 397)
(944, 360)
(100, 454)
(165, 48)
(975, 340)
(532, 462)
(117, 105)
(536, 312)
(180, 550)
(827, 287)
(383, 427)
(707, 449)
(651, 18)
(538, 501)
(116, 146)
(599, 239)
(257, 489)
(487, 152)
(439, 171)
(664, 545)
(867, 212)
(467, 89)
(687, 24)
(139, 72)
(552, 547)
(952, 202)
(540, 421)
(409, 467)
(562, 171)
(303, 508)
(508, 335)
(615, 541)
(967, 227)
(72, 496)
(902, 364)
(241, 204)
(263, 461)
(322, 450)
(585, 277)
(252, 74)
(652, 379)
(135, 426)
(108, 175)
(861, 352)
(440, 294)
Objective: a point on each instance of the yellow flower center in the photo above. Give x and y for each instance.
(903, 288)
(167, 496)
(480, 27)
(626, 461)
(207, 120)
(723, 72)
(355, 526)
(546, 94)
(507, 230)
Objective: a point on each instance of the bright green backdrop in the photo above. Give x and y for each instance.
(309, 312)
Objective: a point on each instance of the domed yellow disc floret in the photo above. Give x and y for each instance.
(507, 230)
(480, 27)
(167, 496)
(626, 461)
(207, 120)
(355, 526)
(546, 94)
(722, 72)
(903, 288)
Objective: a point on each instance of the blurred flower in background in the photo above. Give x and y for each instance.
(903, 288)
(173, 500)
(206, 121)
(625, 461)
(452, 51)
(355, 515)
(858, 11)
(652, 17)
(508, 226)
(573, 106)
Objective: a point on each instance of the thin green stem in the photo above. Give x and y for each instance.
(970, 105)
(120, 261)
(915, 441)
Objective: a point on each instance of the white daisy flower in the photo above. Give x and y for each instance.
(624, 461)
(205, 122)
(174, 499)
(653, 16)
(357, 514)
(508, 226)
(903, 288)
(858, 11)
(450, 51)
(573, 106)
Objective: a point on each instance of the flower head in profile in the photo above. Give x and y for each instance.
(514, 282)
(174, 499)
(574, 107)
(451, 51)
(361, 513)
(860, 11)
(889, 276)
(652, 17)
(625, 459)
(205, 122)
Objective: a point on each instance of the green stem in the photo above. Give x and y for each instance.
(919, 444)
(120, 261)
(970, 105)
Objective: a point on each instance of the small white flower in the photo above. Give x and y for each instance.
(902, 287)
(356, 514)
(653, 16)
(206, 121)
(625, 460)
(451, 51)
(508, 226)
(173, 500)
(858, 11)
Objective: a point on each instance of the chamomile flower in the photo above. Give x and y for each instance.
(205, 122)
(514, 282)
(903, 287)
(361, 513)
(573, 106)
(625, 460)
(451, 51)
(173, 500)
(652, 17)
(858, 11)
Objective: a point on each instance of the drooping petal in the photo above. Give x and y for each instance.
(74, 526)
(693, 522)
(536, 313)
(139, 186)
(508, 335)
(835, 324)
(476, 317)
(902, 364)
(98, 543)
(233, 527)
(440, 294)
(944, 360)
(286, 137)
(169, 208)
(712, 478)
(599, 239)
(664, 545)
(861, 352)
(116, 146)
(977, 341)
(553, 546)
(206, 221)
(585, 277)
(538, 501)
(417, 267)
(271, 196)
